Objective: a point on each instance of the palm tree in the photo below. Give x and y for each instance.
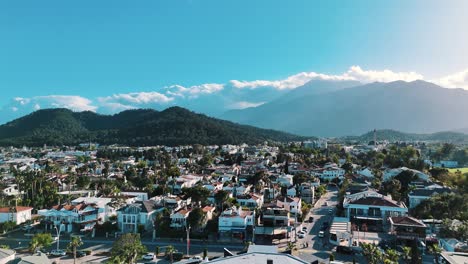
(75, 242)
(406, 254)
(392, 256)
(170, 250)
(436, 250)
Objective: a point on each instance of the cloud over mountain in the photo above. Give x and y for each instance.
(214, 98)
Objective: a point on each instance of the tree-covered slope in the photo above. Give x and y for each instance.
(173, 126)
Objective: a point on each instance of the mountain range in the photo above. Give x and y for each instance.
(142, 127)
(393, 136)
(341, 108)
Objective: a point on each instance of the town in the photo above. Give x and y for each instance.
(317, 201)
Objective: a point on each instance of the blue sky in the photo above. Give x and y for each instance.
(79, 54)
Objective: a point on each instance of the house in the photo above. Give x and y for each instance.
(366, 172)
(17, 214)
(107, 206)
(372, 208)
(452, 245)
(251, 200)
(389, 174)
(139, 196)
(416, 196)
(330, 173)
(275, 222)
(447, 164)
(39, 258)
(291, 192)
(260, 254)
(292, 205)
(130, 217)
(179, 218)
(407, 228)
(11, 190)
(307, 192)
(72, 217)
(235, 221)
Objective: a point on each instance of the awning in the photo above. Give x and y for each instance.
(368, 218)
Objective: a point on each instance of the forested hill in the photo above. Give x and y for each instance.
(143, 127)
(393, 135)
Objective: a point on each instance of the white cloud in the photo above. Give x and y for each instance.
(355, 73)
(456, 80)
(194, 91)
(73, 102)
(139, 98)
(367, 76)
(245, 104)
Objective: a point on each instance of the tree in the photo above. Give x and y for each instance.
(436, 250)
(127, 249)
(40, 241)
(156, 250)
(170, 250)
(196, 218)
(372, 253)
(205, 253)
(75, 242)
(406, 254)
(332, 257)
(391, 256)
(220, 197)
(197, 193)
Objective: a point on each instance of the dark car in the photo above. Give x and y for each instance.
(324, 226)
(344, 250)
(311, 219)
(80, 254)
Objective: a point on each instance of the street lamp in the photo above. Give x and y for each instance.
(58, 230)
(187, 228)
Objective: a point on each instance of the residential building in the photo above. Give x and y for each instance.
(17, 214)
(251, 200)
(416, 196)
(179, 218)
(372, 208)
(235, 221)
(130, 217)
(407, 228)
(291, 204)
(69, 217)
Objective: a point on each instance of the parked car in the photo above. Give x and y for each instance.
(301, 232)
(196, 258)
(58, 252)
(324, 226)
(344, 250)
(304, 228)
(80, 254)
(330, 211)
(149, 256)
(311, 219)
(321, 234)
(301, 236)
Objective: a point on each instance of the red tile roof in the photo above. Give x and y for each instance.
(17, 208)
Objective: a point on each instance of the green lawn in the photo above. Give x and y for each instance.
(463, 170)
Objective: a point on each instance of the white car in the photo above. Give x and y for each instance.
(301, 233)
(149, 256)
(301, 236)
(321, 234)
(196, 258)
(58, 252)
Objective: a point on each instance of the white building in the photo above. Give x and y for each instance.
(331, 173)
(138, 214)
(235, 220)
(17, 214)
(373, 207)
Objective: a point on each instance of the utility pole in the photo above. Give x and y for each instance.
(187, 228)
